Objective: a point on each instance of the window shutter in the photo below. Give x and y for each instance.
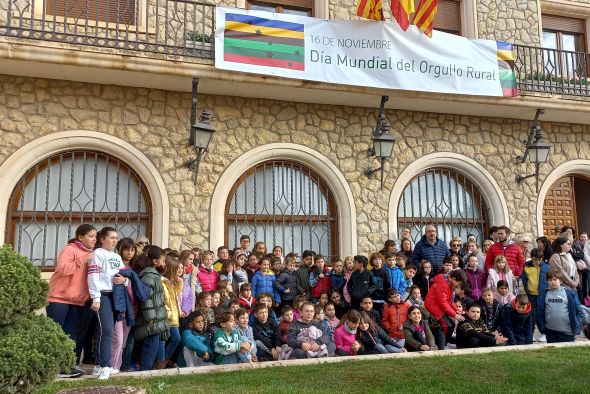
(112, 11)
(448, 17)
(307, 4)
(562, 23)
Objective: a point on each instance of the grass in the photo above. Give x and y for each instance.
(559, 370)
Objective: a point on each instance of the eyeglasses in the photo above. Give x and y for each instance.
(143, 243)
(453, 245)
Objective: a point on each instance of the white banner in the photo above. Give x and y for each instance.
(362, 53)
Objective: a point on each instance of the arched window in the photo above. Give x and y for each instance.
(283, 203)
(70, 188)
(446, 198)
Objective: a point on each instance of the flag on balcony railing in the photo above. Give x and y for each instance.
(370, 9)
(505, 56)
(424, 16)
(401, 10)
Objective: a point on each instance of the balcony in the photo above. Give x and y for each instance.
(186, 28)
(553, 71)
(172, 27)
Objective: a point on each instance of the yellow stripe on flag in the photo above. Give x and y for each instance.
(422, 10)
(505, 55)
(408, 5)
(370, 9)
(263, 30)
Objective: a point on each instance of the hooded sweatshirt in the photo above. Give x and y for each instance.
(517, 326)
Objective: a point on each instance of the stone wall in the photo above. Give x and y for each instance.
(516, 21)
(156, 122)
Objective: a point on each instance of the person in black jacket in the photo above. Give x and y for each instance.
(152, 322)
(286, 282)
(517, 324)
(340, 305)
(491, 310)
(373, 339)
(361, 282)
(266, 334)
(472, 332)
(382, 282)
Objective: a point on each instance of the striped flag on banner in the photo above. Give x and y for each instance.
(401, 10)
(370, 9)
(424, 16)
(263, 42)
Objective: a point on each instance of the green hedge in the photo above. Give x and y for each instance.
(33, 349)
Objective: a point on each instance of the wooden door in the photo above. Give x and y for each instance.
(559, 208)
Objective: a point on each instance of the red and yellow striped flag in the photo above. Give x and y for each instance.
(370, 9)
(401, 10)
(424, 17)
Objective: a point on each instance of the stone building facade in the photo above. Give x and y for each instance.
(129, 106)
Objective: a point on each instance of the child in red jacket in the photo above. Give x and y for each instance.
(439, 304)
(319, 278)
(395, 314)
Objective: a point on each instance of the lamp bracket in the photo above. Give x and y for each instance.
(520, 178)
(370, 172)
(194, 102)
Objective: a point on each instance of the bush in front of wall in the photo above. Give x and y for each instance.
(33, 348)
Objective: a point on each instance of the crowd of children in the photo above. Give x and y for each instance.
(137, 306)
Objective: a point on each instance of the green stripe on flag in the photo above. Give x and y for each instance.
(263, 46)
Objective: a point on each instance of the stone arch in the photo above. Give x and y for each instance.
(347, 239)
(572, 167)
(15, 166)
(478, 175)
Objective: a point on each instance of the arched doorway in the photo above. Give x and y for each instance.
(284, 203)
(72, 187)
(566, 204)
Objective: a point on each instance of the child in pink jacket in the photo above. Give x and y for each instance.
(345, 334)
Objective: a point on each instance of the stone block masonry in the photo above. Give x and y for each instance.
(157, 123)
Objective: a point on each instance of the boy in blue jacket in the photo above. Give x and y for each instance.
(534, 280)
(562, 315)
(196, 341)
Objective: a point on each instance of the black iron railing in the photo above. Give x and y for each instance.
(177, 27)
(187, 28)
(552, 71)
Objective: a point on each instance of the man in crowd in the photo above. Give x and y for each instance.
(509, 249)
(430, 248)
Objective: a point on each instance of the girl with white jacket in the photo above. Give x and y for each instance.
(103, 272)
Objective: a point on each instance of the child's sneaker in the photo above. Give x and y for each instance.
(105, 373)
(74, 373)
(96, 370)
(114, 371)
(542, 338)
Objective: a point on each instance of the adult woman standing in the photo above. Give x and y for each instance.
(563, 261)
(406, 248)
(68, 289)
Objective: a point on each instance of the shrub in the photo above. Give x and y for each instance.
(33, 349)
(22, 291)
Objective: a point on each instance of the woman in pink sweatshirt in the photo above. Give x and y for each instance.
(68, 289)
(345, 334)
